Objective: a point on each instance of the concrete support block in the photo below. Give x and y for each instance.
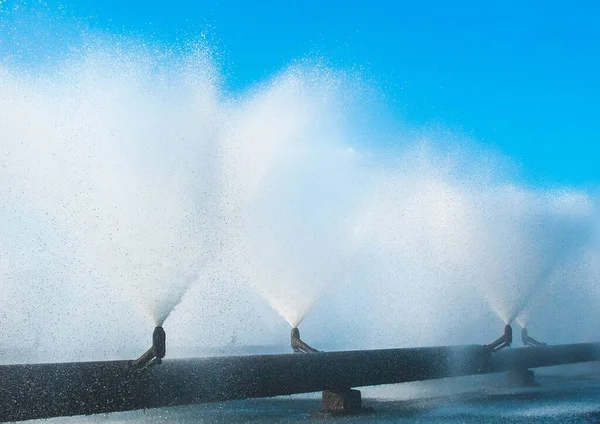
(521, 377)
(346, 401)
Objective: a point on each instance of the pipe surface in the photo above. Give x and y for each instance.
(544, 356)
(50, 390)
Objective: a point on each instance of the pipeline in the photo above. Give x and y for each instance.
(64, 389)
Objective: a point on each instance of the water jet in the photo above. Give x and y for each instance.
(135, 188)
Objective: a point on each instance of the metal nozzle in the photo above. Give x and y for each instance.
(159, 342)
(504, 341)
(508, 334)
(298, 345)
(529, 341)
(156, 352)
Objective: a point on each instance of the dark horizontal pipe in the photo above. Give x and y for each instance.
(544, 356)
(50, 390)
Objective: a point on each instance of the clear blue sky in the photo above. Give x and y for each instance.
(522, 77)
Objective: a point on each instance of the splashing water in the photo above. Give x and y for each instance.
(532, 236)
(155, 181)
(114, 159)
(291, 185)
(440, 229)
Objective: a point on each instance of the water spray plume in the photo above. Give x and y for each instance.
(444, 228)
(142, 174)
(290, 190)
(132, 184)
(539, 239)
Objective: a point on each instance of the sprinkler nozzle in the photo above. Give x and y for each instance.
(156, 353)
(529, 341)
(298, 345)
(503, 341)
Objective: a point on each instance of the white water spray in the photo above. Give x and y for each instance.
(116, 158)
(151, 180)
(291, 186)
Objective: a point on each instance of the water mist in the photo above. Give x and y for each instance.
(128, 176)
(115, 159)
(291, 185)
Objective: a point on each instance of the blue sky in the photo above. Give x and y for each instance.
(522, 79)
